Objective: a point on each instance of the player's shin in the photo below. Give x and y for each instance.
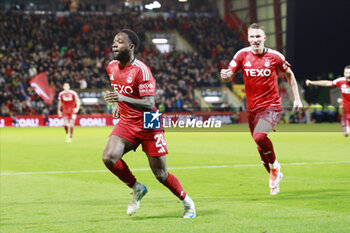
(264, 159)
(71, 132)
(174, 185)
(122, 171)
(266, 146)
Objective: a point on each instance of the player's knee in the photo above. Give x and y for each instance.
(259, 137)
(161, 175)
(109, 159)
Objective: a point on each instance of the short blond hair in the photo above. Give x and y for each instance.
(256, 26)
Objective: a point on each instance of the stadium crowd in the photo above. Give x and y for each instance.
(76, 48)
(193, 6)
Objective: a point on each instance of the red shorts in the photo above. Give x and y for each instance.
(69, 116)
(153, 141)
(270, 115)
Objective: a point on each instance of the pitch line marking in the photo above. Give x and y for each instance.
(170, 168)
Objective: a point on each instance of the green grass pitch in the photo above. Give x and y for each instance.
(47, 185)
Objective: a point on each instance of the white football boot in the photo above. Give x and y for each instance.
(276, 190)
(275, 178)
(68, 138)
(189, 208)
(138, 191)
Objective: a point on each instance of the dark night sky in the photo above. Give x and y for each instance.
(318, 36)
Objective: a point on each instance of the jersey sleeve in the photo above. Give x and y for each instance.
(59, 96)
(109, 69)
(282, 64)
(76, 96)
(235, 64)
(337, 82)
(146, 83)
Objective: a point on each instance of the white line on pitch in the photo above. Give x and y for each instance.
(170, 168)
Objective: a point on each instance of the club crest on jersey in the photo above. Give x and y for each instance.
(267, 63)
(129, 78)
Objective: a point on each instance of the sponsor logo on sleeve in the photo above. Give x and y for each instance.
(285, 66)
(146, 87)
(233, 63)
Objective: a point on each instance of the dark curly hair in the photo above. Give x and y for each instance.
(133, 38)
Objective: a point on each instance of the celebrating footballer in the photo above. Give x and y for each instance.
(260, 67)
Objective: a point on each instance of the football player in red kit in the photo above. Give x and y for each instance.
(134, 93)
(343, 84)
(68, 107)
(260, 67)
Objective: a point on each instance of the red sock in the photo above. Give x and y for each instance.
(173, 184)
(264, 159)
(122, 171)
(66, 129)
(71, 132)
(266, 146)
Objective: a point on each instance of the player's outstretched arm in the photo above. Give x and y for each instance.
(293, 84)
(322, 83)
(147, 103)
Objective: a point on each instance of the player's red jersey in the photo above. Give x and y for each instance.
(345, 91)
(260, 73)
(135, 81)
(68, 101)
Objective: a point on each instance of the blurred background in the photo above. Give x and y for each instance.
(185, 43)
